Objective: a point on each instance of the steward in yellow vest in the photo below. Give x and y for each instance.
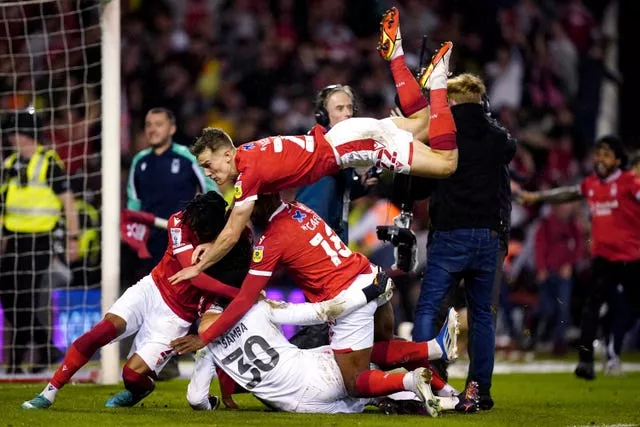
(34, 192)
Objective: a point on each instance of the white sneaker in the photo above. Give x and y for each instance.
(422, 381)
(613, 367)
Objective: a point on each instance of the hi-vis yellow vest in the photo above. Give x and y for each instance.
(32, 208)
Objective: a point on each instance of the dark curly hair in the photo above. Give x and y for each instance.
(205, 215)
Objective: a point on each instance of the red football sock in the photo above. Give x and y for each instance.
(377, 383)
(409, 91)
(437, 382)
(82, 350)
(387, 354)
(138, 384)
(442, 128)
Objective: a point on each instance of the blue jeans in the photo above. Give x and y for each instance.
(555, 301)
(475, 255)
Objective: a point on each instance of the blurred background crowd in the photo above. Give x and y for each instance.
(253, 68)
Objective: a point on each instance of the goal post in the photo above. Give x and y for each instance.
(60, 66)
(110, 284)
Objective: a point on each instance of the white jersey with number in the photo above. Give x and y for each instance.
(255, 353)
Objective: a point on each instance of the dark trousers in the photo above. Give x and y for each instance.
(475, 255)
(606, 275)
(555, 305)
(23, 264)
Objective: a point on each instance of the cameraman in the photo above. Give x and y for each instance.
(469, 228)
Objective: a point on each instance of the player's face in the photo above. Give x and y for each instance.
(158, 129)
(217, 165)
(636, 169)
(340, 107)
(604, 161)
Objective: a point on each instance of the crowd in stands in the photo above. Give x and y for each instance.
(253, 68)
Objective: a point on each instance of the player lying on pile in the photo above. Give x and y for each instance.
(255, 354)
(297, 240)
(156, 310)
(277, 163)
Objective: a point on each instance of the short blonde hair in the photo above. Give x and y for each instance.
(466, 88)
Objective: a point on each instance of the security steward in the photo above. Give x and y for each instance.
(34, 192)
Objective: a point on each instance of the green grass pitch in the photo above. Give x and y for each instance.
(521, 400)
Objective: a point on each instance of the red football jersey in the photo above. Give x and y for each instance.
(182, 298)
(278, 163)
(615, 215)
(298, 240)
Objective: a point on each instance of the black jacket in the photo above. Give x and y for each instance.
(478, 194)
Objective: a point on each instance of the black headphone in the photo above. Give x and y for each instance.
(321, 113)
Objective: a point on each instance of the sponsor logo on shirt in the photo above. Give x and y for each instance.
(238, 189)
(249, 146)
(176, 236)
(258, 252)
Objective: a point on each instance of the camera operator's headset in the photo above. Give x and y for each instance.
(321, 113)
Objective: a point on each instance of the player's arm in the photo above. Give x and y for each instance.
(229, 236)
(214, 252)
(240, 305)
(554, 195)
(204, 281)
(321, 312)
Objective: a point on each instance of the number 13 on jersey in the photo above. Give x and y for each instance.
(335, 251)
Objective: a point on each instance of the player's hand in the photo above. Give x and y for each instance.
(186, 273)
(187, 344)
(200, 252)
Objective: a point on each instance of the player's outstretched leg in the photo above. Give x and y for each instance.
(412, 102)
(78, 354)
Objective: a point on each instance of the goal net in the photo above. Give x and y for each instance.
(50, 91)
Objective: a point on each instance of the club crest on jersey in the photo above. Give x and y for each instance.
(238, 189)
(176, 236)
(299, 216)
(258, 252)
(175, 166)
(248, 146)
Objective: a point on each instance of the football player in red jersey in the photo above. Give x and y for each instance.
(297, 239)
(613, 196)
(277, 163)
(155, 310)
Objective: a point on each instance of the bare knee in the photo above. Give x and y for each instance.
(383, 323)
(351, 365)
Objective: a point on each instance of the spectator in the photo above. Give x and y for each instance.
(468, 241)
(35, 189)
(558, 248)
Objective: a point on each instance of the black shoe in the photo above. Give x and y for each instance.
(468, 400)
(402, 407)
(486, 402)
(585, 370)
(170, 370)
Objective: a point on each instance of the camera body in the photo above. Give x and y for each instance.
(405, 246)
